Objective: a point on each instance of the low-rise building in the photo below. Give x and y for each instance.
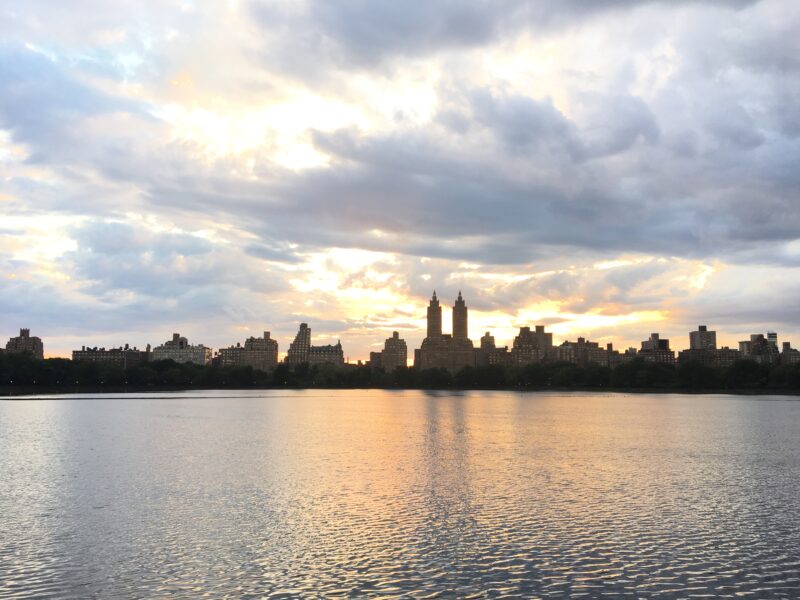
(330, 354)
(179, 350)
(714, 357)
(26, 343)
(581, 353)
(616, 358)
(124, 356)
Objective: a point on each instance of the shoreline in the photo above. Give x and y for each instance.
(7, 392)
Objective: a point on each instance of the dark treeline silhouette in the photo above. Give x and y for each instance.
(21, 371)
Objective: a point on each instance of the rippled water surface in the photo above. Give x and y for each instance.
(400, 494)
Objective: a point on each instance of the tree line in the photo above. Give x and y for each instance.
(21, 371)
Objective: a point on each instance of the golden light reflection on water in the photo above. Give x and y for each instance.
(399, 494)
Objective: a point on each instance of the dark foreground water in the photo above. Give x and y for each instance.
(400, 494)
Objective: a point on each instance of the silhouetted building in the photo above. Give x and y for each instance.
(330, 354)
(445, 351)
(531, 346)
(179, 350)
(703, 349)
(714, 357)
(615, 358)
(124, 356)
(482, 353)
(395, 353)
(581, 353)
(259, 353)
(760, 349)
(301, 351)
(460, 326)
(657, 350)
(702, 339)
(487, 342)
(499, 356)
(789, 355)
(772, 340)
(298, 349)
(25, 343)
(375, 360)
(434, 318)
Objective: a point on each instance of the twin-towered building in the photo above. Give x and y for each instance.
(446, 351)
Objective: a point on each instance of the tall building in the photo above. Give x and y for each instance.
(395, 353)
(298, 349)
(531, 346)
(487, 342)
(434, 318)
(25, 343)
(441, 351)
(703, 339)
(259, 353)
(179, 350)
(124, 356)
(657, 350)
(460, 326)
(772, 340)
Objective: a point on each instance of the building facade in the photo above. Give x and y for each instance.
(331, 354)
(760, 349)
(531, 346)
(179, 350)
(395, 353)
(702, 339)
(26, 343)
(441, 351)
(716, 357)
(298, 349)
(582, 353)
(124, 357)
(259, 353)
(657, 350)
(789, 356)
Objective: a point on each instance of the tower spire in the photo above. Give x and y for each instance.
(460, 329)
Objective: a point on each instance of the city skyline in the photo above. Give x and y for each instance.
(451, 357)
(607, 169)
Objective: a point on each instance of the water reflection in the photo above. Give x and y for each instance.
(400, 494)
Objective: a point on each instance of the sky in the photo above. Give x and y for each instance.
(606, 168)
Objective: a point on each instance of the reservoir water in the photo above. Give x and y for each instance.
(401, 494)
